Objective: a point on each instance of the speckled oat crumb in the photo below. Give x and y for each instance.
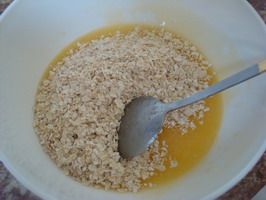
(79, 106)
(173, 163)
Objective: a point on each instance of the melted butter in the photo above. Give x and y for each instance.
(189, 149)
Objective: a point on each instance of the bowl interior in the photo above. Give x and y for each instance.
(228, 32)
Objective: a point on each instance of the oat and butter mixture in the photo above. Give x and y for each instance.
(79, 105)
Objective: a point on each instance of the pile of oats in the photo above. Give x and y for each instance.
(79, 106)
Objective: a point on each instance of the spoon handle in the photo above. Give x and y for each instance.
(229, 82)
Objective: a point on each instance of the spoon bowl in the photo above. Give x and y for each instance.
(140, 125)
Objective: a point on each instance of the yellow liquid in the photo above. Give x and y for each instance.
(189, 149)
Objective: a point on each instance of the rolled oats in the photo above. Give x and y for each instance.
(79, 106)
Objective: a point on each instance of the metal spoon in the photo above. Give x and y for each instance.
(144, 116)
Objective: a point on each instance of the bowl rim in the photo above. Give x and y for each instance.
(215, 194)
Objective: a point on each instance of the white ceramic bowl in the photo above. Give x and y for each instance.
(229, 33)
